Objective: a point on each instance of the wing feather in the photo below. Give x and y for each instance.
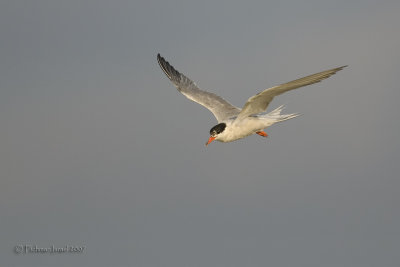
(259, 102)
(221, 108)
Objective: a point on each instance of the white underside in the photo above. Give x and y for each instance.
(239, 129)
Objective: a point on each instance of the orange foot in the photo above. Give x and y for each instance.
(262, 133)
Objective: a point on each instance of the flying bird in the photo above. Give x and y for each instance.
(235, 123)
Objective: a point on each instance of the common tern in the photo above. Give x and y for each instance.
(235, 123)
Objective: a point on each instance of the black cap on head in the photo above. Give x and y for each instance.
(217, 129)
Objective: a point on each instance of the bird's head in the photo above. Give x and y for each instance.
(215, 131)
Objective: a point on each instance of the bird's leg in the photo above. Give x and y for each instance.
(262, 133)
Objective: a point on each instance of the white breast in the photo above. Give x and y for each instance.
(237, 130)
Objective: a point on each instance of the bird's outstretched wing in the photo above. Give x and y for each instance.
(221, 108)
(259, 102)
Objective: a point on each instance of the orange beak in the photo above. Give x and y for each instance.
(210, 139)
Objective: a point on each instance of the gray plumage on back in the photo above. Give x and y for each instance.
(221, 108)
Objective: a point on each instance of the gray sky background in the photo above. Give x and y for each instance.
(98, 149)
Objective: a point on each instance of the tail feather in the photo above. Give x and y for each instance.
(277, 116)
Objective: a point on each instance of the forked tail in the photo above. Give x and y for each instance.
(277, 116)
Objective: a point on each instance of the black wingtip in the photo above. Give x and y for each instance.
(159, 57)
(170, 71)
(162, 60)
